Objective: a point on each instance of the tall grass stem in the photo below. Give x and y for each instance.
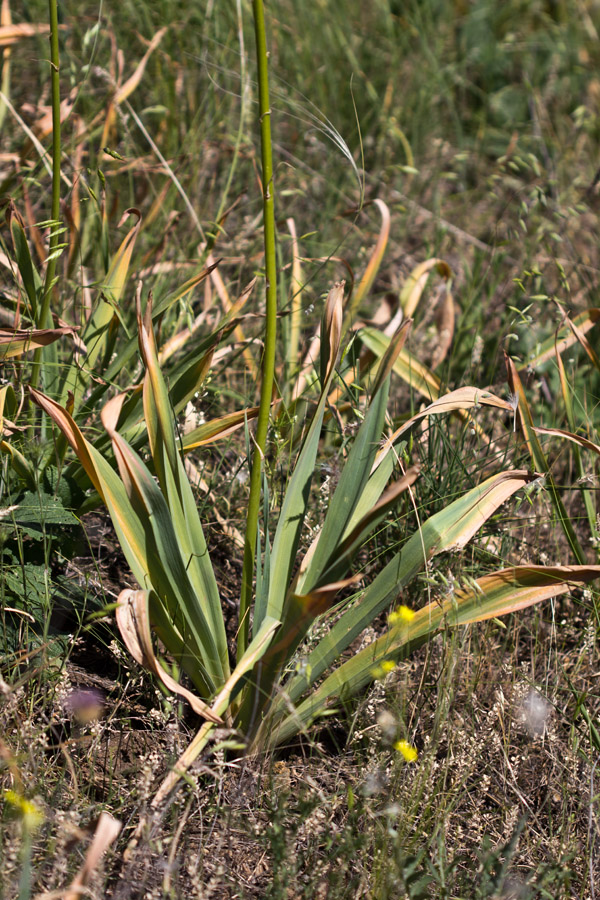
(44, 315)
(268, 361)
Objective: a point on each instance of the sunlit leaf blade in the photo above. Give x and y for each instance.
(133, 621)
(133, 81)
(217, 429)
(107, 831)
(498, 594)
(569, 436)
(407, 366)
(16, 342)
(293, 342)
(539, 460)
(462, 399)
(414, 285)
(11, 34)
(450, 529)
(513, 589)
(366, 282)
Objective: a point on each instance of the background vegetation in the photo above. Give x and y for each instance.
(477, 124)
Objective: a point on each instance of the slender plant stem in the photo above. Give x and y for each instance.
(44, 311)
(268, 361)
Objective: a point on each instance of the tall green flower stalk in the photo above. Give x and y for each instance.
(44, 310)
(268, 363)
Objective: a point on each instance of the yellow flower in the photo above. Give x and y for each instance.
(402, 614)
(379, 672)
(407, 750)
(31, 816)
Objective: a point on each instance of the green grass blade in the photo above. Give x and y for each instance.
(31, 278)
(539, 460)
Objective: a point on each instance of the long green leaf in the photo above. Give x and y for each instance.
(448, 530)
(252, 656)
(349, 489)
(497, 594)
(293, 510)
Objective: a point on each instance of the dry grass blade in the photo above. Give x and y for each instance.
(513, 589)
(332, 326)
(133, 81)
(583, 322)
(444, 321)
(133, 620)
(16, 342)
(228, 308)
(569, 436)
(462, 399)
(107, 831)
(11, 34)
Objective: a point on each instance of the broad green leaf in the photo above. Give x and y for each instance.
(498, 594)
(353, 479)
(177, 489)
(143, 526)
(168, 562)
(448, 530)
